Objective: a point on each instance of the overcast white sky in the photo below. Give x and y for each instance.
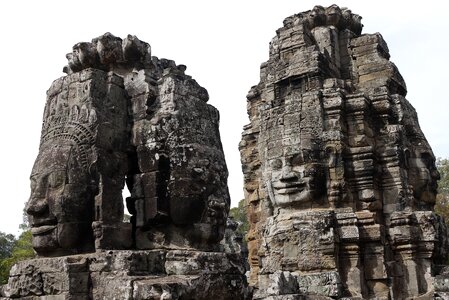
(222, 43)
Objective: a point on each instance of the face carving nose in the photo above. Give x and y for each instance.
(288, 174)
(36, 206)
(435, 174)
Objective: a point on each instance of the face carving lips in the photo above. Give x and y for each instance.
(41, 230)
(294, 181)
(42, 225)
(289, 187)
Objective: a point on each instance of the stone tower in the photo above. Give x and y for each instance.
(339, 179)
(121, 116)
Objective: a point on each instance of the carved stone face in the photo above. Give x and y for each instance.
(333, 13)
(318, 17)
(61, 202)
(423, 175)
(294, 180)
(73, 59)
(198, 192)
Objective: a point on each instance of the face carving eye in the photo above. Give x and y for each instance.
(296, 160)
(427, 160)
(276, 164)
(56, 179)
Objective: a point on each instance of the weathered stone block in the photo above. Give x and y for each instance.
(194, 262)
(325, 283)
(121, 115)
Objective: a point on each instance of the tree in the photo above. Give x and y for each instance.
(442, 201)
(239, 215)
(22, 250)
(13, 251)
(25, 223)
(7, 242)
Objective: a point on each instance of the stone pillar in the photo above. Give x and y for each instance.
(150, 169)
(113, 132)
(403, 235)
(372, 239)
(350, 264)
(361, 148)
(335, 141)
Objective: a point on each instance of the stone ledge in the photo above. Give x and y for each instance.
(130, 274)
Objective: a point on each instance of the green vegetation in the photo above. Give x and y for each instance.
(21, 250)
(6, 245)
(13, 250)
(239, 215)
(442, 201)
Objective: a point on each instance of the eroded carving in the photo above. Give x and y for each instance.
(123, 117)
(340, 181)
(72, 162)
(122, 113)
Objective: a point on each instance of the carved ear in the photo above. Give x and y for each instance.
(93, 170)
(94, 177)
(407, 158)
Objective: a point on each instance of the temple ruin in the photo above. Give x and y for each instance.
(340, 181)
(123, 117)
